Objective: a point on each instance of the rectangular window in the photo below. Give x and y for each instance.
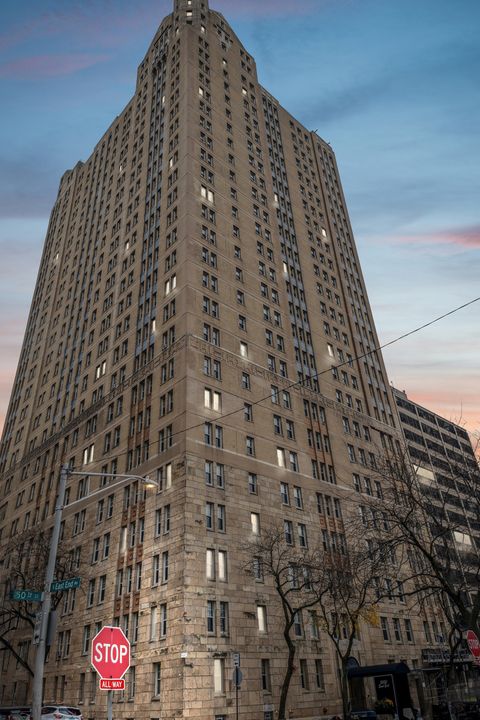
(102, 585)
(266, 681)
(210, 564)
(397, 630)
(319, 676)
(223, 618)
(166, 519)
(298, 625)
(208, 471)
(155, 570)
(222, 565)
(409, 630)
(255, 523)
(212, 399)
(163, 620)
(262, 618)
(219, 676)
(302, 535)
(221, 523)
(288, 530)
(304, 681)
(157, 683)
(165, 566)
(209, 514)
(158, 522)
(297, 495)
(211, 622)
(86, 640)
(385, 628)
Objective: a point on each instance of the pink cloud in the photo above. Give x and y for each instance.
(453, 396)
(267, 8)
(38, 66)
(107, 24)
(101, 25)
(468, 237)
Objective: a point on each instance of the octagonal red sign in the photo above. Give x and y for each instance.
(110, 653)
(474, 645)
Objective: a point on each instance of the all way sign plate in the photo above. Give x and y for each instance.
(108, 684)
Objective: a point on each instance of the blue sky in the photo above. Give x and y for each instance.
(392, 84)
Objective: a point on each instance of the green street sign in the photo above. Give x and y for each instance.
(26, 595)
(60, 585)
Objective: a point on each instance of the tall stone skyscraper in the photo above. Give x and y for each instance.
(197, 317)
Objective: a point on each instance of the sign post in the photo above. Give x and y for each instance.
(474, 645)
(111, 660)
(237, 679)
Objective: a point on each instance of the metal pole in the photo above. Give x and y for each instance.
(37, 691)
(110, 705)
(236, 693)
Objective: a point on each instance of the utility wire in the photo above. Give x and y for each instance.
(323, 372)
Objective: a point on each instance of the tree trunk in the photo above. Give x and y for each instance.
(288, 674)
(344, 690)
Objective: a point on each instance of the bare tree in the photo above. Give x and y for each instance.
(435, 518)
(347, 589)
(290, 570)
(23, 568)
(340, 584)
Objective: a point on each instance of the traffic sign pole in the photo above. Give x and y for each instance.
(37, 688)
(237, 679)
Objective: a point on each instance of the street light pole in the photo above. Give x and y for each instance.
(65, 472)
(37, 691)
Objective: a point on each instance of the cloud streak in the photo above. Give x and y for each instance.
(267, 8)
(44, 66)
(467, 238)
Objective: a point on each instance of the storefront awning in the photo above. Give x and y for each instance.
(370, 670)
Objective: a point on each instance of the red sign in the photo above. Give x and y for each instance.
(112, 684)
(110, 653)
(474, 645)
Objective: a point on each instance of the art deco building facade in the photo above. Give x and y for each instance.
(198, 316)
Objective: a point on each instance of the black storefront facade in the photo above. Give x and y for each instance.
(391, 688)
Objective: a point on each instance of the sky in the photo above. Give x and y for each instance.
(393, 85)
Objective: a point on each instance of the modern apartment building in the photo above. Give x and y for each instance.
(448, 474)
(200, 316)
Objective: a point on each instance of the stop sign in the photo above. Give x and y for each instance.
(474, 645)
(110, 653)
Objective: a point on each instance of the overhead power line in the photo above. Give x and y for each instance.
(327, 370)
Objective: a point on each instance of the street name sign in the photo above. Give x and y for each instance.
(60, 585)
(27, 595)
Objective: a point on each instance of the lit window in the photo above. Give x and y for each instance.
(262, 618)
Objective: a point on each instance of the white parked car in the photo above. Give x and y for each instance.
(61, 712)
